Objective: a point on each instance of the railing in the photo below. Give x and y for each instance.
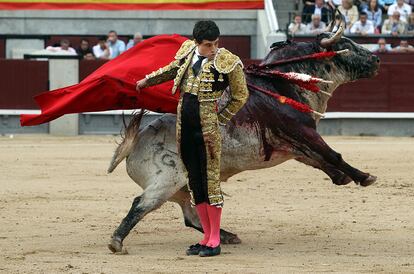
(271, 16)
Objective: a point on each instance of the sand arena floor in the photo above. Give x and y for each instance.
(58, 208)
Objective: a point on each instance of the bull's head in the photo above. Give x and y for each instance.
(357, 62)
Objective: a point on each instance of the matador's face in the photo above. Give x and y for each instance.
(208, 48)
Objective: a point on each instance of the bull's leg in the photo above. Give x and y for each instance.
(152, 198)
(312, 145)
(191, 218)
(337, 176)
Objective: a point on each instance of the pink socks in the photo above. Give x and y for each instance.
(214, 215)
(205, 222)
(210, 217)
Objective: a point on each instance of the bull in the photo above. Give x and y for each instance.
(264, 133)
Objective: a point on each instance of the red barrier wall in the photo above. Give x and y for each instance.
(21, 80)
(391, 90)
(2, 48)
(86, 67)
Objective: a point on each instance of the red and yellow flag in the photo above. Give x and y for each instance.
(130, 4)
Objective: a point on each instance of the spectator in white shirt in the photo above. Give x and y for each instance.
(363, 26)
(403, 8)
(117, 46)
(297, 27)
(316, 26)
(334, 3)
(137, 39)
(404, 47)
(382, 46)
(64, 47)
(101, 50)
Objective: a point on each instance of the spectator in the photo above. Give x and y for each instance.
(101, 50)
(382, 47)
(316, 26)
(374, 13)
(394, 25)
(297, 27)
(410, 25)
(64, 46)
(137, 39)
(385, 4)
(404, 47)
(318, 9)
(363, 5)
(350, 12)
(403, 8)
(410, 2)
(363, 26)
(334, 3)
(84, 50)
(117, 46)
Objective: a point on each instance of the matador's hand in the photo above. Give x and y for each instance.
(141, 84)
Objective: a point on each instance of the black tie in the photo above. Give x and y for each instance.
(197, 65)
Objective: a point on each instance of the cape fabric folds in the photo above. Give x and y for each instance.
(112, 86)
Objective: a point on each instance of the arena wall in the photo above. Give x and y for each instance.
(87, 22)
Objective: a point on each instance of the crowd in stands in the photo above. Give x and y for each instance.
(383, 47)
(363, 17)
(108, 47)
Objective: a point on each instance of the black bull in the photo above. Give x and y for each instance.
(297, 129)
(280, 129)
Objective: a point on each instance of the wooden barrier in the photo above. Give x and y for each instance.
(391, 91)
(21, 80)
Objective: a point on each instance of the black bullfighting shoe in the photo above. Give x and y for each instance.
(195, 249)
(209, 251)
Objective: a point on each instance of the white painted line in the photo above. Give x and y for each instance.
(11, 144)
(109, 112)
(19, 111)
(371, 143)
(369, 115)
(328, 115)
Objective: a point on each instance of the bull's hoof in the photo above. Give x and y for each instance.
(115, 245)
(343, 180)
(229, 238)
(369, 181)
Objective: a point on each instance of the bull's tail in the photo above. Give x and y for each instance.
(130, 137)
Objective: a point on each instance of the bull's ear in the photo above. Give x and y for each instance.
(280, 44)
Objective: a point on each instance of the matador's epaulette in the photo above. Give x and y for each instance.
(185, 49)
(225, 61)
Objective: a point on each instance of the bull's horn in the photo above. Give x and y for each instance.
(331, 25)
(328, 42)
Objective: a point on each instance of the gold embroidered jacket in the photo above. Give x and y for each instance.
(225, 70)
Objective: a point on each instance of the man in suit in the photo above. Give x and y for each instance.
(318, 9)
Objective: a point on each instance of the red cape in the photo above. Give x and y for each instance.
(112, 86)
